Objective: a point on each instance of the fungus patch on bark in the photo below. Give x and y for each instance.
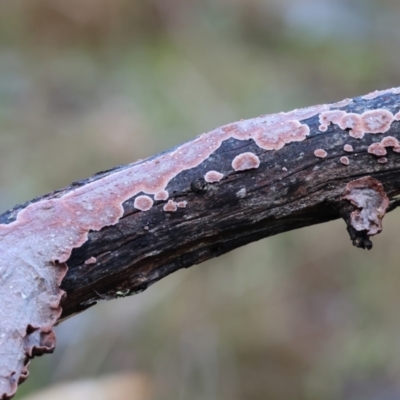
(161, 195)
(320, 153)
(377, 149)
(377, 93)
(182, 204)
(345, 160)
(328, 117)
(369, 204)
(390, 141)
(213, 176)
(382, 160)
(143, 203)
(348, 148)
(373, 121)
(245, 161)
(171, 206)
(91, 260)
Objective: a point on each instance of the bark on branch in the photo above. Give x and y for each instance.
(124, 229)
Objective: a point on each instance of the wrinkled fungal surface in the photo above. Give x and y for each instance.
(46, 231)
(371, 202)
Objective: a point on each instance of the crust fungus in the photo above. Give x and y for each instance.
(328, 117)
(161, 195)
(363, 216)
(377, 149)
(382, 160)
(390, 141)
(345, 160)
(373, 121)
(348, 148)
(213, 176)
(377, 121)
(182, 204)
(91, 260)
(245, 161)
(320, 153)
(376, 93)
(171, 206)
(143, 203)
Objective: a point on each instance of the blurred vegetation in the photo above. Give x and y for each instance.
(86, 85)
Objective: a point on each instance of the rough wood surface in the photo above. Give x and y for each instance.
(235, 185)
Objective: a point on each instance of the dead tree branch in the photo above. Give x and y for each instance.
(122, 230)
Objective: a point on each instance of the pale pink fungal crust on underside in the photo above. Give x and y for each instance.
(171, 206)
(143, 203)
(245, 161)
(382, 160)
(348, 148)
(213, 176)
(320, 153)
(377, 149)
(182, 204)
(161, 195)
(345, 160)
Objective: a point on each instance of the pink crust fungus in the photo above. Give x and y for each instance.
(348, 148)
(328, 117)
(161, 195)
(376, 93)
(91, 260)
(345, 160)
(320, 153)
(171, 206)
(143, 203)
(368, 195)
(245, 161)
(213, 176)
(390, 141)
(374, 121)
(342, 103)
(182, 204)
(377, 121)
(382, 160)
(377, 149)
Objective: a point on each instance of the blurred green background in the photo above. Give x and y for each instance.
(86, 85)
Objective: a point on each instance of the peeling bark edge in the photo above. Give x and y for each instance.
(122, 230)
